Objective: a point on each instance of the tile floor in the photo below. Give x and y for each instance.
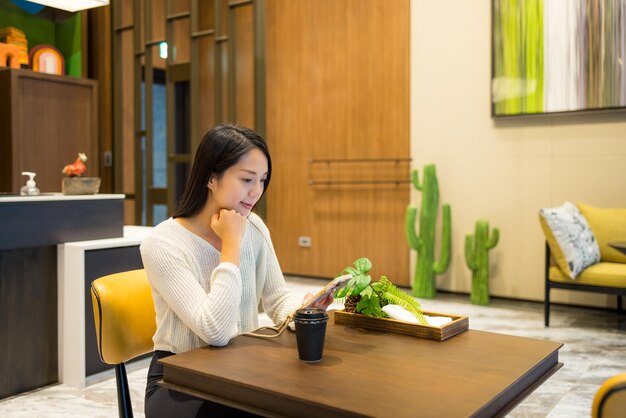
(595, 349)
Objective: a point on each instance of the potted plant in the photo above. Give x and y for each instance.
(379, 299)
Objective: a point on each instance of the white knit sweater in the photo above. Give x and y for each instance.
(200, 301)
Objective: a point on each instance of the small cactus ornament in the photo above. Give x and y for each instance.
(477, 248)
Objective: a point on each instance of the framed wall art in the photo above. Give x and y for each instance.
(556, 56)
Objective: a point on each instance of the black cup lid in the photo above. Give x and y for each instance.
(311, 313)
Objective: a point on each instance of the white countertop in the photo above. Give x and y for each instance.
(133, 235)
(47, 197)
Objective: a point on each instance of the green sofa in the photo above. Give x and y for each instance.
(607, 276)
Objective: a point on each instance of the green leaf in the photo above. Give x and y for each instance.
(367, 291)
(347, 290)
(354, 287)
(359, 280)
(377, 286)
(361, 284)
(369, 306)
(350, 270)
(363, 265)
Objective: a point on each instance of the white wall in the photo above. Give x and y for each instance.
(504, 171)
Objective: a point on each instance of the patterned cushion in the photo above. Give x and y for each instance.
(570, 239)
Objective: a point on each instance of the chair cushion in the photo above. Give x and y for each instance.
(610, 400)
(570, 239)
(124, 315)
(607, 224)
(600, 274)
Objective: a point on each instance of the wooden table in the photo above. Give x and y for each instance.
(368, 373)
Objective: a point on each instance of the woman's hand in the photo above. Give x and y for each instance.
(229, 226)
(322, 304)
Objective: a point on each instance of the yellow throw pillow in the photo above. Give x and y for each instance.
(608, 225)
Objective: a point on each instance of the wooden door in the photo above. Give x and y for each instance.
(338, 127)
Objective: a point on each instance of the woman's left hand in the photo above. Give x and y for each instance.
(322, 304)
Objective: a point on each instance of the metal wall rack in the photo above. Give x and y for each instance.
(331, 182)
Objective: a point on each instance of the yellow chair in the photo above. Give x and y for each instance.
(125, 322)
(610, 400)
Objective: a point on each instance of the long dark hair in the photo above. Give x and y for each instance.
(221, 148)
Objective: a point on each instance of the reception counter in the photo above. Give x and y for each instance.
(36, 221)
(31, 227)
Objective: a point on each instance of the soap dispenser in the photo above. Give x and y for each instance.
(31, 188)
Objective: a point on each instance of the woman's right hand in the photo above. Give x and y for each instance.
(230, 226)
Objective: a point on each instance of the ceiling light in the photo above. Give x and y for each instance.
(72, 5)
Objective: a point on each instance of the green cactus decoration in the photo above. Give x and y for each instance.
(477, 248)
(424, 284)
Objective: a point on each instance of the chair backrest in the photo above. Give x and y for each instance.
(610, 400)
(124, 315)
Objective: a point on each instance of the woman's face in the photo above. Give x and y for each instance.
(240, 187)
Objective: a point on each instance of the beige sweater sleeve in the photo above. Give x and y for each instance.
(212, 315)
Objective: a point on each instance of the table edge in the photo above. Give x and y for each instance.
(510, 397)
(217, 399)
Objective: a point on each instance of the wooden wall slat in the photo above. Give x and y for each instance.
(99, 68)
(181, 42)
(244, 65)
(128, 114)
(206, 84)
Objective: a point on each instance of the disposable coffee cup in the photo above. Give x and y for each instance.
(310, 333)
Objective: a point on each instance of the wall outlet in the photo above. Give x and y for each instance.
(304, 242)
(107, 159)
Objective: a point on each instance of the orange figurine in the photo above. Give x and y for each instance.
(78, 168)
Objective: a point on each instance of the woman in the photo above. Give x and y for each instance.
(213, 262)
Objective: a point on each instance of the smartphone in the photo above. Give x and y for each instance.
(336, 284)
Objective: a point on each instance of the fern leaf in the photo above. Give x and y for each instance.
(384, 281)
(407, 302)
(392, 289)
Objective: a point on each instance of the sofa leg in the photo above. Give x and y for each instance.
(546, 301)
(546, 307)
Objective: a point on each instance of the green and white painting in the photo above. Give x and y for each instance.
(558, 56)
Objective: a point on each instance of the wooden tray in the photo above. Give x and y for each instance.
(458, 325)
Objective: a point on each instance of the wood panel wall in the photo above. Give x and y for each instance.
(338, 88)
